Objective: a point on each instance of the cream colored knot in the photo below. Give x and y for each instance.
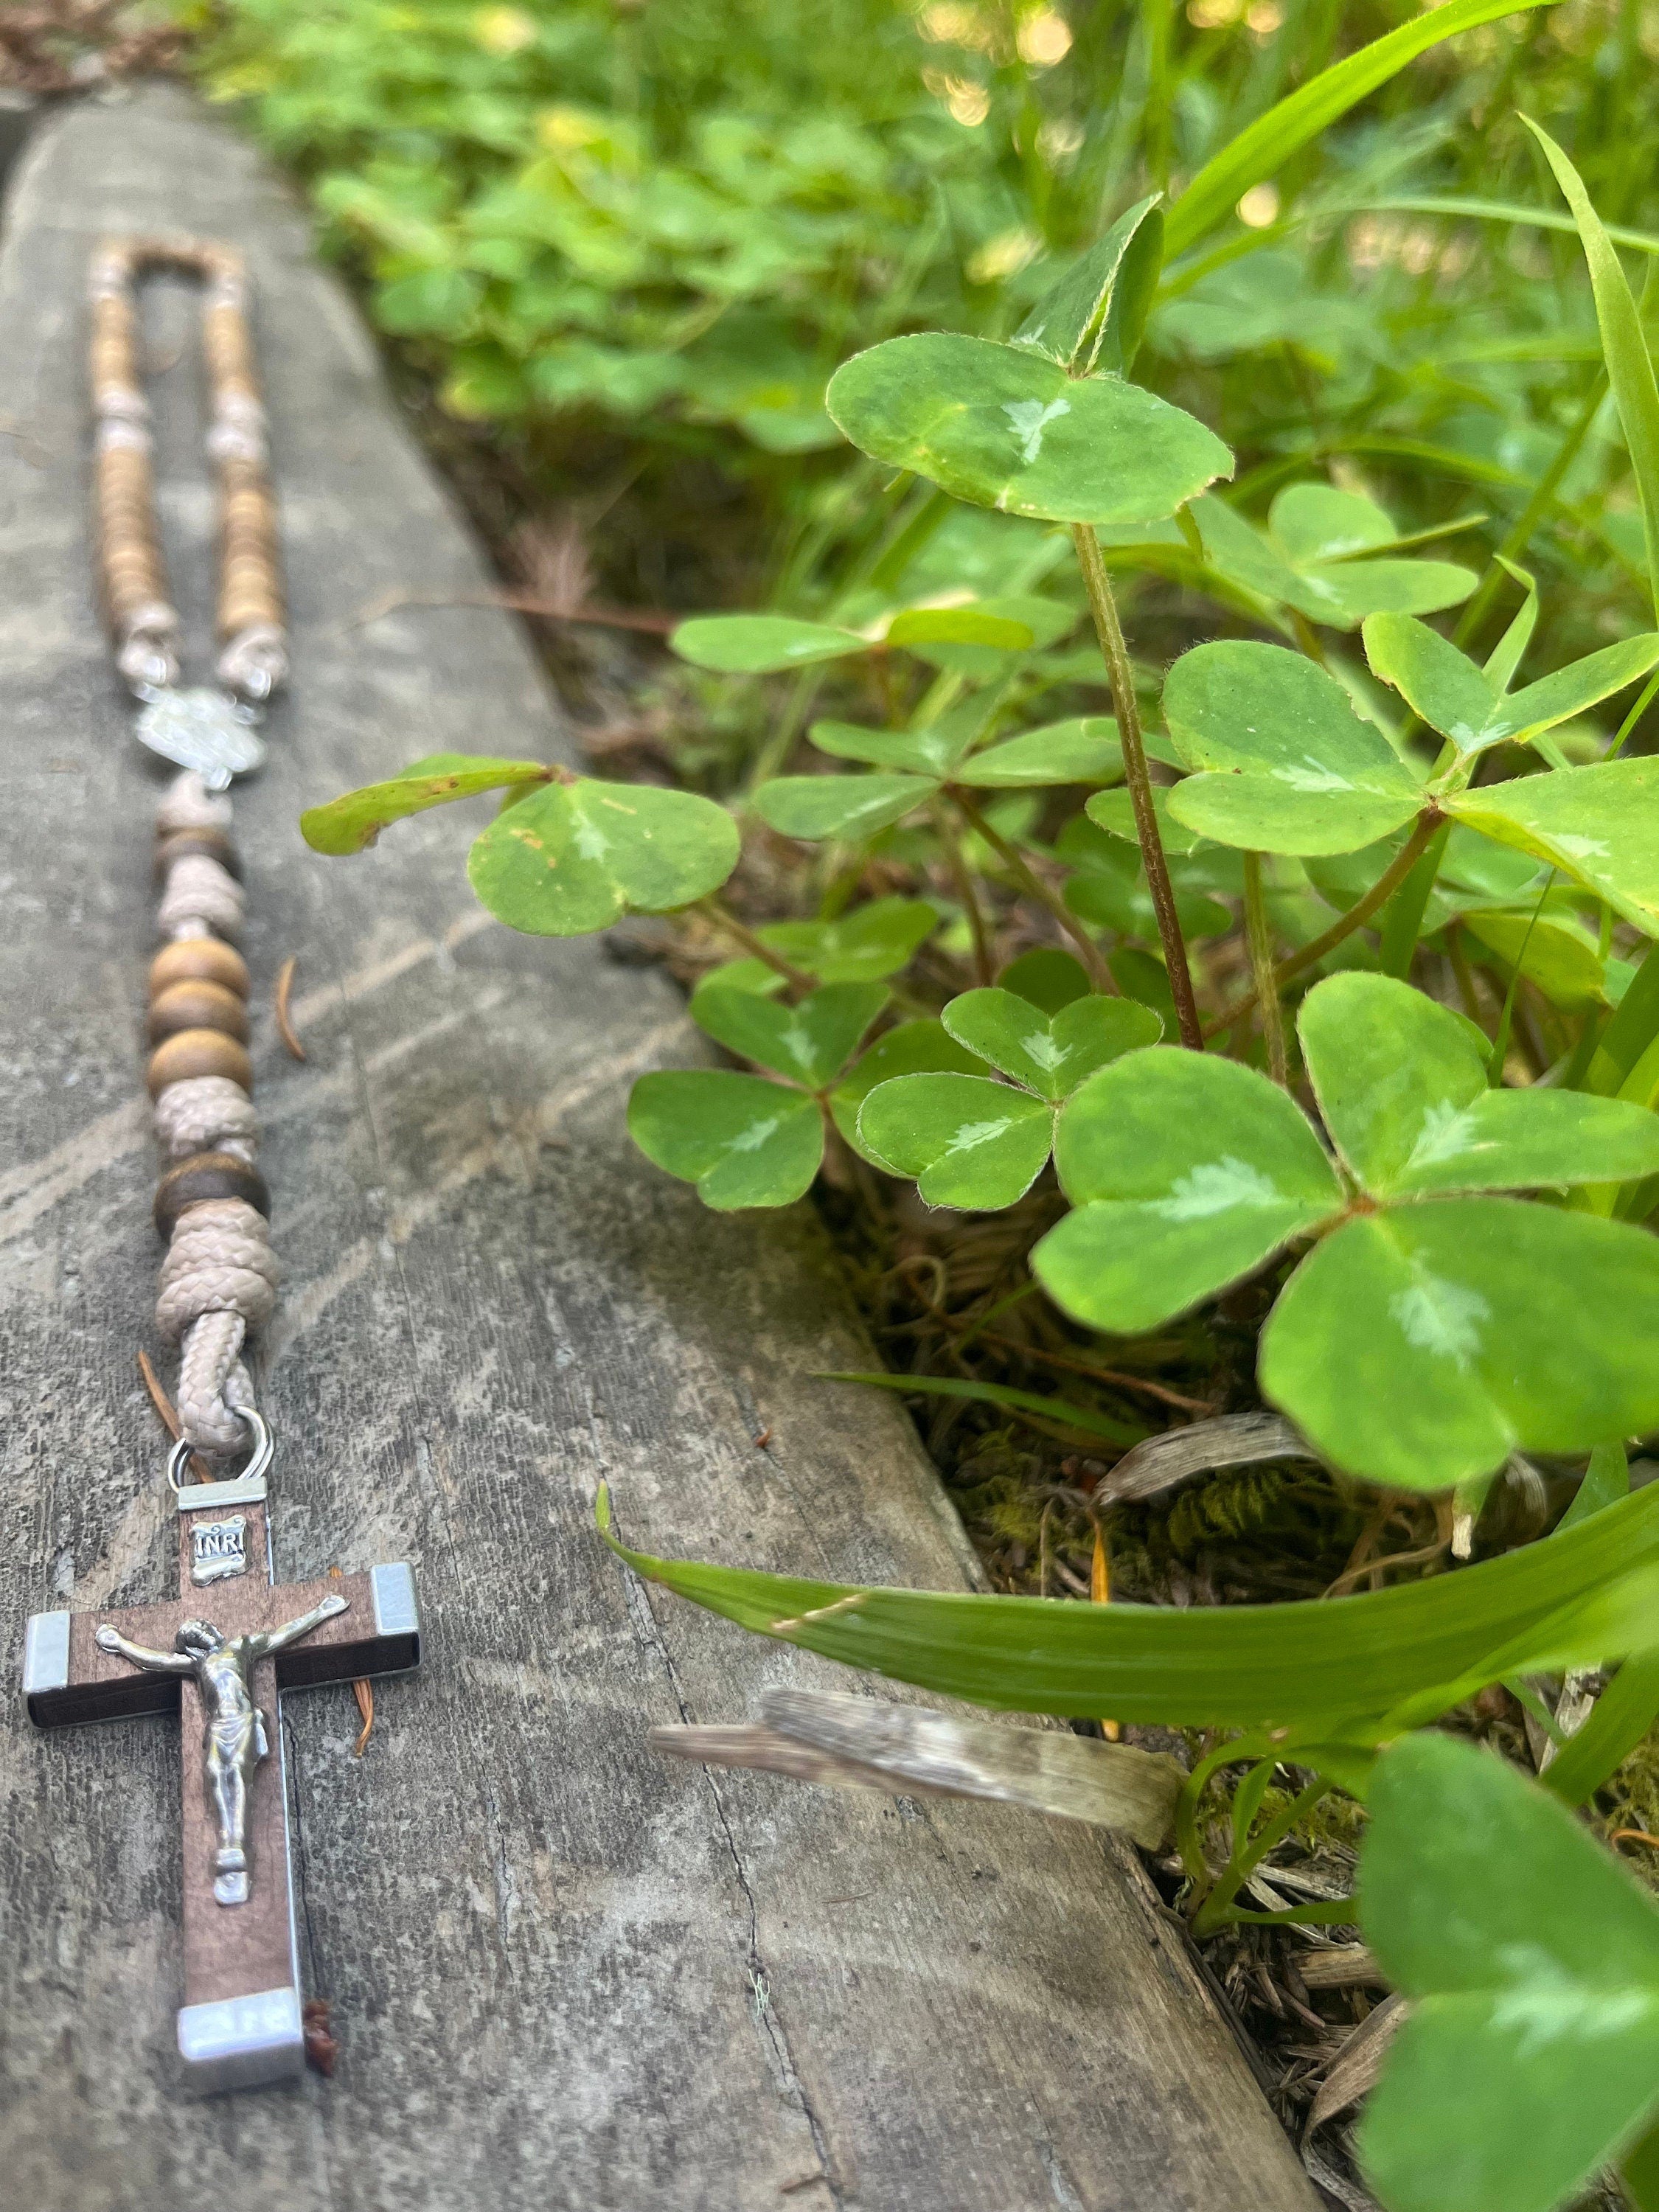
(148, 656)
(116, 434)
(212, 1382)
(199, 889)
(255, 662)
(121, 402)
(237, 441)
(187, 804)
(220, 1260)
(206, 1114)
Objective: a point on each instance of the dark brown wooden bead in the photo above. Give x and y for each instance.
(212, 844)
(198, 960)
(198, 1052)
(207, 1175)
(197, 1006)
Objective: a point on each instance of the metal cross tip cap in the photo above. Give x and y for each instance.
(242, 2043)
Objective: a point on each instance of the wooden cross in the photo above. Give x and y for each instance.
(240, 2022)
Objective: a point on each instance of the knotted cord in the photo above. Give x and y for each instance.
(219, 1278)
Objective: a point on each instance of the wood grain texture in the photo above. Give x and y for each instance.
(565, 1972)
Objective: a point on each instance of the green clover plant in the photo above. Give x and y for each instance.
(1411, 1345)
(1267, 968)
(1530, 2057)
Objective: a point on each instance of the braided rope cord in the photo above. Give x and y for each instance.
(219, 1277)
(145, 625)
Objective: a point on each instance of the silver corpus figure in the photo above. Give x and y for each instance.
(234, 1738)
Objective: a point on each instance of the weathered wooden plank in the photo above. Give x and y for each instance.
(566, 1973)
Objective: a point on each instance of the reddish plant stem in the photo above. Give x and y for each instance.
(1109, 630)
(1100, 976)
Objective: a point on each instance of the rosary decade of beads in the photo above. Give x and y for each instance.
(212, 1209)
(254, 658)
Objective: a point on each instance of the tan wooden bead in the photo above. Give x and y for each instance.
(198, 1052)
(197, 1006)
(199, 960)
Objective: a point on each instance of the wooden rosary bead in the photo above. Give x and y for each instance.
(207, 1175)
(197, 1006)
(198, 960)
(198, 1052)
(212, 844)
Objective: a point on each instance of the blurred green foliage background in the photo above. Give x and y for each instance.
(624, 246)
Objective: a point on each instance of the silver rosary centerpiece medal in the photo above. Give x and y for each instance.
(203, 729)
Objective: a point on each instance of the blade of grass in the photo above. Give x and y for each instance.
(1581, 1599)
(1630, 367)
(1269, 142)
(1082, 1417)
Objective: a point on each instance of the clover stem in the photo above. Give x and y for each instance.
(1109, 630)
(1358, 915)
(962, 876)
(1307, 638)
(1258, 937)
(1100, 976)
(721, 914)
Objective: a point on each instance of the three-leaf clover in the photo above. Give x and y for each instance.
(976, 1144)
(1529, 2057)
(1473, 706)
(914, 766)
(744, 1141)
(1432, 1329)
(1330, 555)
(1284, 765)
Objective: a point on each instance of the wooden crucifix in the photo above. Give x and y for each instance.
(220, 1655)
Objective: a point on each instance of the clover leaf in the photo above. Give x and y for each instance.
(1185, 1173)
(1038, 622)
(761, 644)
(979, 1145)
(969, 1142)
(1085, 751)
(928, 760)
(1000, 426)
(351, 824)
(1411, 1345)
(865, 946)
(1047, 976)
(1050, 1055)
(808, 1043)
(1529, 2057)
(571, 857)
(1599, 824)
(970, 625)
(744, 1141)
(1464, 703)
(1320, 555)
(918, 1048)
(852, 807)
(1286, 764)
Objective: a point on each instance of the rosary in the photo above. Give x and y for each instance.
(220, 1660)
